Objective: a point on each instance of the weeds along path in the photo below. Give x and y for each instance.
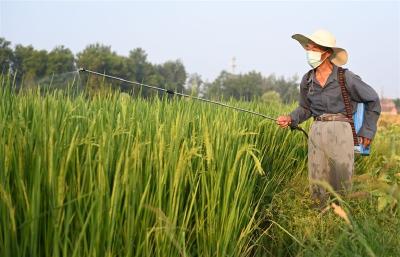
(367, 222)
(117, 176)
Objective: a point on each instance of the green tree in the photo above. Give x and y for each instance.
(60, 60)
(29, 64)
(251, 85)
(242, 86)
(287, 89)
(194, 84)
(140, 70)
(6, 55)
(271, 97)
(173, 75)
(397, 103)
(217, 87)
(100, 58)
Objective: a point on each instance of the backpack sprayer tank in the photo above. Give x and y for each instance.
(358, 118)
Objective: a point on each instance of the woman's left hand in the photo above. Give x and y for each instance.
(365, 141)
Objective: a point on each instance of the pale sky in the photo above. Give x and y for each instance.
(206, 35)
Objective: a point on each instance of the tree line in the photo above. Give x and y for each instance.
(28, 65)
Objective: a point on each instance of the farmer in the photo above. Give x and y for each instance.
(330, 143)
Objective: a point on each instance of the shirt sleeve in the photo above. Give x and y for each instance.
(302, 112)
(363, 93)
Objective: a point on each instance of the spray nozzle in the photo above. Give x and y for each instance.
(81, 69)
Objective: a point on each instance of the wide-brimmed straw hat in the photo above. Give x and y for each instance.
(324, 38)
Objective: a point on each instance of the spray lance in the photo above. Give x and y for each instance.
(168, 91)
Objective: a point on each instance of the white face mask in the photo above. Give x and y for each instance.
(314, 58)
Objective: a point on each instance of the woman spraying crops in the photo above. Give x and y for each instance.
(323, 93)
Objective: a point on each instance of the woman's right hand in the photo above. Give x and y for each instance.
(284, 121)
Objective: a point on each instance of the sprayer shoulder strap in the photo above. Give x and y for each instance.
(346, 100)
(308, 76)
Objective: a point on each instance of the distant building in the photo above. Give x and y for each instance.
(388, 106)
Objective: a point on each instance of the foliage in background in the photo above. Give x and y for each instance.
(33, 67)
(397, 103)
(250, 85)
(6, 55)
(271, 97)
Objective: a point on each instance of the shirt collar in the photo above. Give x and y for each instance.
(332, 77)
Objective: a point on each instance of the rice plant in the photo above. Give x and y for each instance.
(117, 176)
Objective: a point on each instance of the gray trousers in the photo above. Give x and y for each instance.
(330, 157)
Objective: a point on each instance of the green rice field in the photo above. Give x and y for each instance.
(111, 175)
